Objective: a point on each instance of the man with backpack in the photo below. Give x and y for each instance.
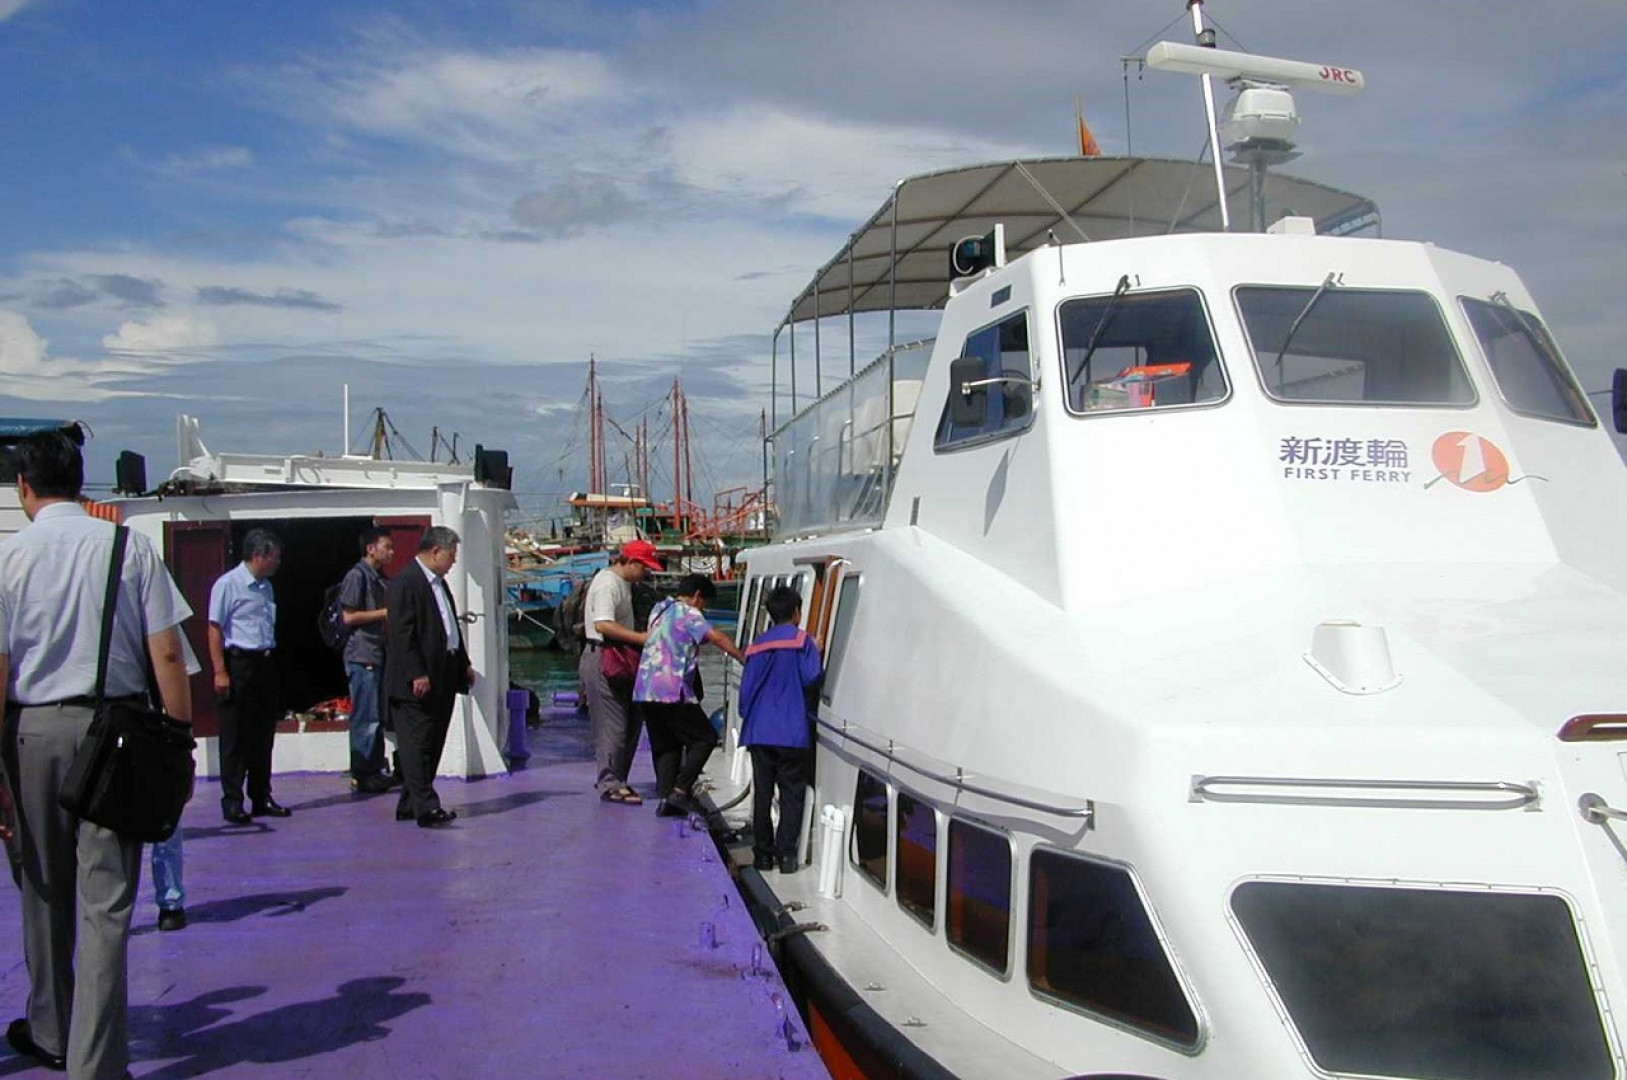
(361, 602)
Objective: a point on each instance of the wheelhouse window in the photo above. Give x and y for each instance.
(1525, 363)
(1007, 407)
(1139, 351)
(1092, 944)
(918, 858)
(978, 900)
(847, 606)
(1336, 345)
(870, 828)
(1454, 985)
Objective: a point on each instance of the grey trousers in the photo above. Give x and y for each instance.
(614, 719)
(79, 888)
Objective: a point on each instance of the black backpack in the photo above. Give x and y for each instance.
(330, 620)
(569, 618)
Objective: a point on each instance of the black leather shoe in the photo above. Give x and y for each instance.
(172, 919)
(788, 865)
(271, 808)
(376, 784)
(437, 818)
(232, 810)
(22, 1041)
(669, 808)
(404, 814)
(763, 863)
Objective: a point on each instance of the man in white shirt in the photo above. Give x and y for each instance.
(78, 879)
(607, 617)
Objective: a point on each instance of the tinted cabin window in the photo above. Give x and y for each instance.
(870, 828)
(847, 605)
(1142, 351)
(1092, 944)
(1429, 982)
(917, 858)
(1526, 364)
(1008, 407)
(978, 921)
(1352, 346)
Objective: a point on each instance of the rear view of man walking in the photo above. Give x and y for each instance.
(78, 879)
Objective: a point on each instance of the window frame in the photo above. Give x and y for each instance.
(836, 650)
(1188, 991)
(1296, 403)
(1564, 368)
(1011, 895)
(943, 445)
(1214, 344)
(885, 884)
(930, 919)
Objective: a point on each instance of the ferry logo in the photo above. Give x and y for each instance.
(1469, 461)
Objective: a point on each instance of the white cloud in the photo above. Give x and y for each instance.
(209, 159)
(162, 335)
(32, 373)
(8, 8)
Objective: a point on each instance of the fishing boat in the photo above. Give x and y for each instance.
(1223, 635)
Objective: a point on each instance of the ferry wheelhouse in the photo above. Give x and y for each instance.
(1224, 640)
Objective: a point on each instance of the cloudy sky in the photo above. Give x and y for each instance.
(233, 210)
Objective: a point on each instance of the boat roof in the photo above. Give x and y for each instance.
(1074, 198)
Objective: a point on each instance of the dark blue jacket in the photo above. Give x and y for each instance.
(780, 667)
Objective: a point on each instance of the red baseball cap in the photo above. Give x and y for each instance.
(641, 551)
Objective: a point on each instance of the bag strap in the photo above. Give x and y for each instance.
(110, 603)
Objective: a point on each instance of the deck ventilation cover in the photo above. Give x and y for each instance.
(1354, 658)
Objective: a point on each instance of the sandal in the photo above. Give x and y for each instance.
(624, 795)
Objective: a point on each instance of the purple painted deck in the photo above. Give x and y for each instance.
(545, 934)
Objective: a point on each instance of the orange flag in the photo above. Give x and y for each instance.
(1087, 141)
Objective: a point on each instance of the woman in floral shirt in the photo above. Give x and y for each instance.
(667, 691)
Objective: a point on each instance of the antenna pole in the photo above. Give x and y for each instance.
(345, 449)
(1206, 38)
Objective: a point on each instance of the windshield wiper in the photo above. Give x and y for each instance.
(1101, 328)
(1327, 283)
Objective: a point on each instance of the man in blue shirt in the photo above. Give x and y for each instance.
(242, 637)
(782, 668)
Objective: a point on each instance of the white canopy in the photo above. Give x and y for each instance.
(1077, 199)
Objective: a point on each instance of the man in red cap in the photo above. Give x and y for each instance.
(607, 626)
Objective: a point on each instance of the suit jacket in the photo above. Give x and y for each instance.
(415, 644)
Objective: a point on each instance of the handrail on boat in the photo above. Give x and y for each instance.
(1085, 813)
(1520, 795)
(1597, 812)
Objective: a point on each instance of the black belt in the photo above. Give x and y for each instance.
(233, 650)
(83, 701)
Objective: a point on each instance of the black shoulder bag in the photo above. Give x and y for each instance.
(133, 772)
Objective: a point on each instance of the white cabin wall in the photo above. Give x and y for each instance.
(992, 500)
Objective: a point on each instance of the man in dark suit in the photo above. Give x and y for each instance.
(425, 668)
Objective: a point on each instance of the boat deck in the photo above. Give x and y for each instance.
(544, 934)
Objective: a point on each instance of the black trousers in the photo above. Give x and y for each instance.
(248, 726)
(784, 768)
(420, 735)
(681, 739)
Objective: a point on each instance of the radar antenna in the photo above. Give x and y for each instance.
(1260, 123)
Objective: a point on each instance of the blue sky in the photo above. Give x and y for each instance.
(232, 210)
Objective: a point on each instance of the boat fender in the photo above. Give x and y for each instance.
(832, 828)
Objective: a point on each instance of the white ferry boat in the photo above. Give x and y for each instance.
(1224, 637)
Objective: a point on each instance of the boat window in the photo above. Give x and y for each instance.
(870, 828)
(1139, 351)
(978, 899)
(1092, 944)
(918, 858)
(1525, 363)
(1008, 408)
(847, 605)
(1350, 346)
(745, 630)
(1452, 984)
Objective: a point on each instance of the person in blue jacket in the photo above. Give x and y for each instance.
(782, 669)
